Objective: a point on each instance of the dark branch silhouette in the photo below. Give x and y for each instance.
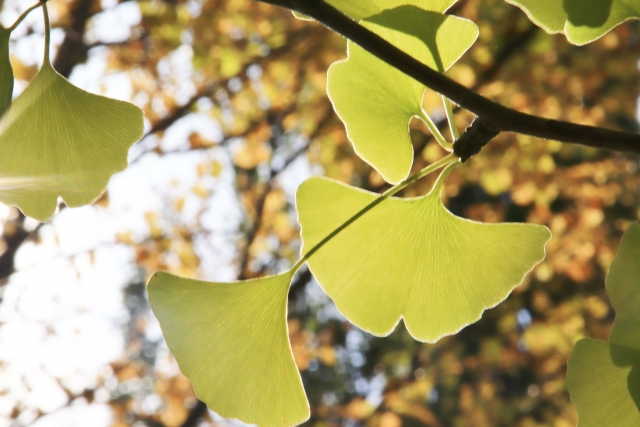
(494, 115)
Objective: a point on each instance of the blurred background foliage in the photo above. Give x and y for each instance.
(237, 116)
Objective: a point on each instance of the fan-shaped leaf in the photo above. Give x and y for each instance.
(411, 259)
(358, 9)
(582, 21)
(375, 101)
(604, 378)
(231, 340)
(58, 140)
(6, 72)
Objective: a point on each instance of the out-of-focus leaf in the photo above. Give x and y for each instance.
(411, 259)
(231, 340)
(604, 378)
(375, 101)
(57, 140)
(6, 72)
(582, 21)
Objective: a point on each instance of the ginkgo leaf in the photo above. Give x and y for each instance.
(604, 378)
(582, 21)
(600, 389)
(231, 340)
(375, 101)
(623, 286)
(6, 72)
(57, 140)
(411, 259)
(358, 9)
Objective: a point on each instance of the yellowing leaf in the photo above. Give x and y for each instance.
(604, 378)
(216, 168)
(411, 259)
(375, 101)
(231, 340)
(57, 140)
(582, 21)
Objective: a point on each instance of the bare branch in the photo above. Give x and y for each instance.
(496, 116)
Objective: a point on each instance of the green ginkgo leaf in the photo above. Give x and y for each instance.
(231, 340)
(604, 378)
(582, 21)
(6, 72)
(57, 140)
(358, 9)
(375, 101)
(411, 259)
(602, 390)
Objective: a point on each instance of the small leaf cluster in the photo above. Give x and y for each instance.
(380, 258)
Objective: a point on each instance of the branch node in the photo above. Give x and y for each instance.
(474, 138)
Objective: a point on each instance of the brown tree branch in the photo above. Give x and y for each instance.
(495, 116)
(14, 236)
(73, 49)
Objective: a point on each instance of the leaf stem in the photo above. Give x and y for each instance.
(435, 131)
(47, 33)
(451, 118)
(24, 15)
(443, 177)
(446, 161)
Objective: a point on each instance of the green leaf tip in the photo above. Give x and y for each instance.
(603, 378)
(231, 340)
(57, 140)
(375, 101)
(582, 21)
(411, 259)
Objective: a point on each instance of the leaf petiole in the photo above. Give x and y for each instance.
(436, 132)
(451, 118)
(447, 161)
(47, 33)
(24, 15)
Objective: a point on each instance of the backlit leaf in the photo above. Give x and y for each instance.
(358, 9)
(582, 21)
(231, 340)
(600, 388)
(411, 259)
(57, 140)
(604, 378)
(375, 101)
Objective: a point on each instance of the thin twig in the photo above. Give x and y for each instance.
(499, 117)
(24, 15)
